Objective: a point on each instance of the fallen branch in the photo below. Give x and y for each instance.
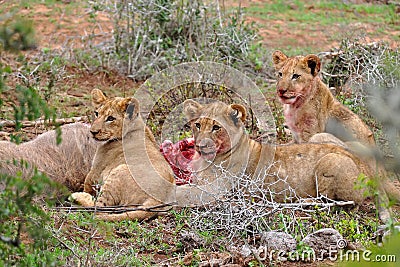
(117, 209)
(12, 123)
(333, 75)
(321, 204)
(252, 203)
(66, 246)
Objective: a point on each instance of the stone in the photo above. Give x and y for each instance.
(325, 242)
(278, 241)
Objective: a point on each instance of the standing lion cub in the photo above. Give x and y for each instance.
(128, 169)
(309, 107)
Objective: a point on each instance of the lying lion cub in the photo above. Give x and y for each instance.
(309, 106)
(310, 169)
(67, 163)
(128, 168)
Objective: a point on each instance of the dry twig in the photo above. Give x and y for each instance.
(61, 121)
(116, 209)
(250, 207)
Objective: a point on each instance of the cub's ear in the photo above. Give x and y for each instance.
(132, 108)
(123, 103)
(278, 58)
(191, 109)
(237, 113)
(314, 63)
(98, 98)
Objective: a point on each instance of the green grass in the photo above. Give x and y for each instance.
(78, 239)
(323, 12)
(57, 7)
(330, 19)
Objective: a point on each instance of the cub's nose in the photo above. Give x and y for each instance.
(205, 143)
(282, 91)
(94, 132)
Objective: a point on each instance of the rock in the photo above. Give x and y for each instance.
(278, 241)
(191, 240)
(325, 242)
(245, 251)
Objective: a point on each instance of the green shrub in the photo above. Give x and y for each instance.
(17, 34)
(23, 233)
(24, 236)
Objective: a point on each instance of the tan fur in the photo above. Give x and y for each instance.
(311, 169)
(67, 163)
(128, 168)
(309, 106)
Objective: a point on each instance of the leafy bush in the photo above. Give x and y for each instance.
(17, 34)
(31, 106)
(23, 233)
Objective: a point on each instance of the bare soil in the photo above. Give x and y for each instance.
(280, 34)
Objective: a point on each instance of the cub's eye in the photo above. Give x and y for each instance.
(198, 126)
(216, 128)
(110, 118)
(295, 76)
(96, 114)
(280, 74)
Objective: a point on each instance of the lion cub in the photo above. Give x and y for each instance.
(309, 107)
(310, 170)
(128, 168)
(67, 163)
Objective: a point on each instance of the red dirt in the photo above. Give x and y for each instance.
(279, 34)
(72, 29)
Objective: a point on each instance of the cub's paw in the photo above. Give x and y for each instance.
(82, 198)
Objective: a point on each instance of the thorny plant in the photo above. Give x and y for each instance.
(356, 63)
(249, 207)
(152, 35)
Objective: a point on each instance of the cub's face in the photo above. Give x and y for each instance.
(109, 116)
(217, 127)
(295, 76)
(211, 138)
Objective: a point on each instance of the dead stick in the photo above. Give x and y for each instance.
(117, 209)
(11, 123)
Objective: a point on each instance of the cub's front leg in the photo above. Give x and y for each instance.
(93, 181)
